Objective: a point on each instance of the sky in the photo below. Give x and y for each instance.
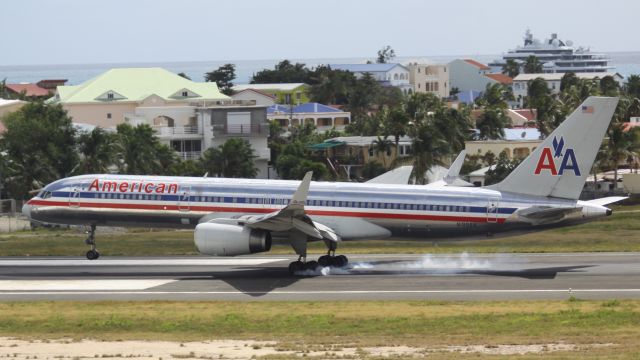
(126, 31)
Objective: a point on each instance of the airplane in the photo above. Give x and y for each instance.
(241, 216)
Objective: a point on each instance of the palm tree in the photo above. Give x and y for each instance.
(532, 65)
(491, 123)
(511, 68)
(137, 149)
(233, 159)
(429, 147)
(98, 151)
(383, 145)
(620, 146)
(395, 124)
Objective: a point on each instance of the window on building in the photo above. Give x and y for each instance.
(185, 94)
(436, 84)
(108, 115)
(239, 122)
(287, 99)
(110, 96)
(418, 85)
(298, 95)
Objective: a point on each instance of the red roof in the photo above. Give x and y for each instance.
(479, 65)
(529, 114)
(29, 89)
(501, 78)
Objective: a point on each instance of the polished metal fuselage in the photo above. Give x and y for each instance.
(353, 210)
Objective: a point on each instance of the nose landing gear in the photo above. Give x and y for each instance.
(91, 241)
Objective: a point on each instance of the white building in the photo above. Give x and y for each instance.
(468, 75)
(553, 80)
(386, 74)
(249, 122)
(429, 78)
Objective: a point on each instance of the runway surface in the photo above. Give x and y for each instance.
(368, 277)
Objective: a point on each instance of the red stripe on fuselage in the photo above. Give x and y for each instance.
(358, 214)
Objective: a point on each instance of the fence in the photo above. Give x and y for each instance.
(11, 218)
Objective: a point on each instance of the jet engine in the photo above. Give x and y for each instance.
(230, 240)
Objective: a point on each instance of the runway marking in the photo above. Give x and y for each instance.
(142, 262)
(330, 292)
(42, 286)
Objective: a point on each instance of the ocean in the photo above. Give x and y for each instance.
(626, 63)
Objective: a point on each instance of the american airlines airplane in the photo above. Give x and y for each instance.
(240, 216)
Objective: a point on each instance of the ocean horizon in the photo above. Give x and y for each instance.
(625, 63)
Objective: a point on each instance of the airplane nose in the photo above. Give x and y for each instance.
(26, 210)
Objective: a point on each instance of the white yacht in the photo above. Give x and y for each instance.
(556, 56)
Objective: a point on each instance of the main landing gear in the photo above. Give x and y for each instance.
(91, 241)
(329, 260)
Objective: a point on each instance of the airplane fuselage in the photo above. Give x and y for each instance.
(353, 210)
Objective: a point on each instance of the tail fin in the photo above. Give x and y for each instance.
(560, 165)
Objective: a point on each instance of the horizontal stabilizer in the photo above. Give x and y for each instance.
(397, 176)
(607, 200)
(538, 215)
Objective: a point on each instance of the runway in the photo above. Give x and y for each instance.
(368, 277)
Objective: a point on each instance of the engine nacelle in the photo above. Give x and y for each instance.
(230, 240)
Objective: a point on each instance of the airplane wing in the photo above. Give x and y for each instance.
(290, 218)
(539, 215)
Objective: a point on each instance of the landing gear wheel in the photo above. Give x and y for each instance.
(91, 241)
(93, 254)
(325, 260)
(340, 261)
(311, 265)
(296, 267)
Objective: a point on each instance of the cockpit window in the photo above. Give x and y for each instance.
(46, 194)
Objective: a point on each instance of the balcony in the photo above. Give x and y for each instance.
(190, 155)
(178, 131)
(241, 130)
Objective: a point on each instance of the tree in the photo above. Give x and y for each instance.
(371, 169)
(363, 95)
(496, 95)
(292, 163)
(223, 77)
(429, 147)
(532, 65)
(491, 123)
(633, 86)
(609, 86)
(233, 159)
(511, 68)
(97, 151)
(283, 72)
(385, 55)
(39, 144)
(331, 86)
(568, 80)
(384, 146)
(503, 168)
(395, 124)
(140, 152)
(620, 145)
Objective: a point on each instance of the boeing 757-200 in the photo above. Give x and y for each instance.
(240, 216)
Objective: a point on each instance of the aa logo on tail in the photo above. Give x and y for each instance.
(547, 160)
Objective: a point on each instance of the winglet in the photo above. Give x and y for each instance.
(300, 196)
(456, 166)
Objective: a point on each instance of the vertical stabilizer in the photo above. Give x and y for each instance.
(561, 164)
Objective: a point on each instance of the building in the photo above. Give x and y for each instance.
(188, 116)
(517, 143)
(556, 56)
(386, 74)
(231, 120)
(470, 76)
(521, 82)
(429, 78)
(287, 93)
(347, 154)
(323, 117)
(259, 97)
